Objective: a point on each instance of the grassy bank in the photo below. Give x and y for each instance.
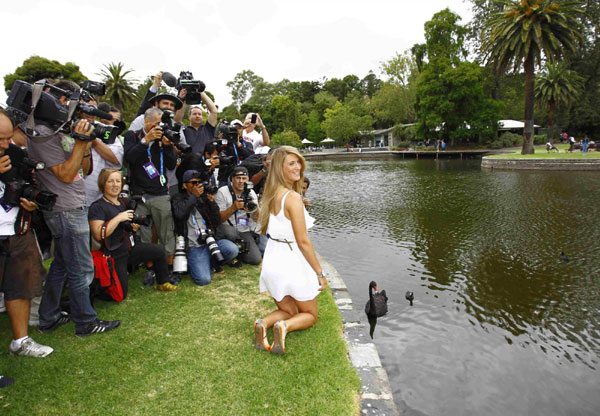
(541, 153)
(188, 352)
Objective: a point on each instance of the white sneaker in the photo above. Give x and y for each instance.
(30, 348)
(2, 306)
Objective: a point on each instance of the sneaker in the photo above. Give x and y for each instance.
(149, 278)
(279, 333)
(5, 381)
(97, 327)
(218, 269)
(30, 348)
(260, 336)
(2, 305)
(174, 278)
(63, 319)
(167, 287)
(236, 263)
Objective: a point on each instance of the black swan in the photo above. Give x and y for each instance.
(409, 297)
(376, 306)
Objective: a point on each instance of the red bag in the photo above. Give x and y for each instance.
(105, 272)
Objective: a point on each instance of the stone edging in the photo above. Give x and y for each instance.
(376, 393)
(541, 164)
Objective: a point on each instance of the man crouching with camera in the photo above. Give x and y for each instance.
(21, 268)
(67, 161)
(239, 210)
(196, 218)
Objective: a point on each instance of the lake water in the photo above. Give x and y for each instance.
(500, 324)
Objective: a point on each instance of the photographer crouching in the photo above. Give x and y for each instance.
(196, 218)
(239, 210)
(113, 222)
(21, 268)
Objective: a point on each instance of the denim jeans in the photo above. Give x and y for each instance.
(73, 263)
(199, 260)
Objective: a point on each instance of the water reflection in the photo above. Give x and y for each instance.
(496, 312)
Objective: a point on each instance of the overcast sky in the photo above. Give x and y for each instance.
(297, 40)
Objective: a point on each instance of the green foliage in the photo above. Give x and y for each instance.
(444, 37)
(406, 134)
(404, 144)
(344, 121)
(540, 139)
(230, 113)
(286, 114)
(286, 137)
(314, 133)
(36, 67)
(120, 91)
(242, 85)
(509, 139)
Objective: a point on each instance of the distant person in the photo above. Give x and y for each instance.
(550, 147)
(290, 271)
(260, 141)
(305, 185)
(443, 145)
(585, 144)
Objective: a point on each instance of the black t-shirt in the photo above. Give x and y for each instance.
(199, 138)
(101, 210)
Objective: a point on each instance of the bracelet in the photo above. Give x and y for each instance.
(320, 275)
(88, 155)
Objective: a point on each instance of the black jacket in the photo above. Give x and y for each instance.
(182, 206)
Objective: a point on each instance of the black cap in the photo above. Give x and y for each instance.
(239, 171)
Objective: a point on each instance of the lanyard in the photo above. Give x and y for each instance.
(195, 224)
(162, 174)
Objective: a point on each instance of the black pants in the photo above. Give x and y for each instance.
(253, 256)
(140, 253)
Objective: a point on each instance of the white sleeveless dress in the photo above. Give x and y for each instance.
(285, 271)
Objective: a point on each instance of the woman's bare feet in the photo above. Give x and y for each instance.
(279, 333)
(260, 336)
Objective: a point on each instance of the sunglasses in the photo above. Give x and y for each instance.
(195, 183)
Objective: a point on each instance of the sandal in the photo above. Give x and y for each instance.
(260, 336)
(279, 333)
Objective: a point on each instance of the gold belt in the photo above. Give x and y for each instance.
(285, 241)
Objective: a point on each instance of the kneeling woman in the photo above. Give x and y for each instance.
(111, 226)
(290, 269)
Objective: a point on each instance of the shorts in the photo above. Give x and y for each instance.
(24, 270)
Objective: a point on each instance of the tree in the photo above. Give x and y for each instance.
(286, 114)
(524, 30)
(554, 87)
(370, 84)
(36, 67)
(343, 125)
(287, 138)
(314, 133)
(119, 89)
(242, 85)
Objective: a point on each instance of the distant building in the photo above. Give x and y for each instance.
(380, 138)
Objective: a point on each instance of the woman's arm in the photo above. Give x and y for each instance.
(294, 211)
(111, 225)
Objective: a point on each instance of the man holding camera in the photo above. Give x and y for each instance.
(149, 155)
(196, 218)
(67, 160)
(260, 141)
(239, 209)
(21, 268)
(199, 134)
(231, 147)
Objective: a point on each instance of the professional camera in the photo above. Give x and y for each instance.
(19, 181)
(207, 237)
(137, 218)
(171, 130)
(242, 246)
(142, 219)
(249, 203)
(193, 87)
(209, 188)
(229, 131)
(92, 87)
(51, 111)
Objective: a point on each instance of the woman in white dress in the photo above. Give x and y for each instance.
(290, 269)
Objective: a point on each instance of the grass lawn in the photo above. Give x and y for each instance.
(185, 353)
(541, 153)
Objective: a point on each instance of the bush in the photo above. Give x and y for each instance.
(286, 137)
(540, 139)
(497, 144)
(509, 139)
(405, 144)
(405, 133)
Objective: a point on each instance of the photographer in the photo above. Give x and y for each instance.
(164, 101)
(21, 268)
(67, 160)
(260, 141)
(103, 155)
(199, 134)
(149, 154)
(112, 224)
(239, 210)
(196, 217)
(232, 148)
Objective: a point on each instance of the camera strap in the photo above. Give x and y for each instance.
(23, 222)
(36, 94)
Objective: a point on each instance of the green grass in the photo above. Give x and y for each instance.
(185, 353)
(541, 153)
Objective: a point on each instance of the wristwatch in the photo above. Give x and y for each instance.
(143, 141)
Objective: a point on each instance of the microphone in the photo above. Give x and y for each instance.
(93, 111)
(169, 79)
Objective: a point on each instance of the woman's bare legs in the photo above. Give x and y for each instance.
(296, 314)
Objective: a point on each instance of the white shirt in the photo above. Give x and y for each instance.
(91, 181)
(255, 138)
(7, 218)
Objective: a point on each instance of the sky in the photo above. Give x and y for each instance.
(298, 40)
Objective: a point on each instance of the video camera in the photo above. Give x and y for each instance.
(230, 132)
(19, 181)
(171, 130)
(193, 87)
(51, 111)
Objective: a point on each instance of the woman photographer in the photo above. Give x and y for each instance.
(111, 227)
(290, 269)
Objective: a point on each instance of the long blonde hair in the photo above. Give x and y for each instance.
(275, 179)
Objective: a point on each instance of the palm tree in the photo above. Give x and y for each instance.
(521, 32)
(119, 89)
(556, 86)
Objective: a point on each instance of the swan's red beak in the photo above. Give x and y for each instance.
(375, 288)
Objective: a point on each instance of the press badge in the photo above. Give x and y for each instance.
(150, 170)
(132, 240)
(242, 222)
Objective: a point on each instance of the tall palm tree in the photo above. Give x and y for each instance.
(524, 30)
(119, 89)
(556, 86)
